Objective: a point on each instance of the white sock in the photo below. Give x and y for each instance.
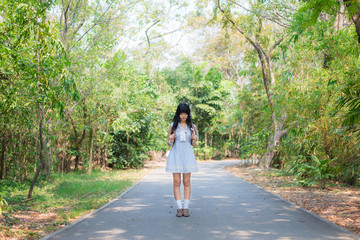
(186, 203)
(178, 203)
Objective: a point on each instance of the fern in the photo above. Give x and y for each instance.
(3, 204)
(350, 101)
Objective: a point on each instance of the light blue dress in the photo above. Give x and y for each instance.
(181, 158)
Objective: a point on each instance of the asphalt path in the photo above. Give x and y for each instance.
(222, 206)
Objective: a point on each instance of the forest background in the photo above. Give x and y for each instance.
(90, 84)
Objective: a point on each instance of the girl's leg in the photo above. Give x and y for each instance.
(187, 193)
(177, 193)
(176, 186)
(187, 185)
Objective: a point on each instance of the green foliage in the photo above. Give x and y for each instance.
(318, 100)
(203, 88)
(203, 152)
(350, 100)
(317, 172)
(116, 105)
(3, 204)
(315, 95)
(315, 7)
(128, 150)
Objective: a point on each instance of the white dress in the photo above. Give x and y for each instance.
(181, 158)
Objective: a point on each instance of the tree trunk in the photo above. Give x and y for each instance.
(273, 143)
(45, 168)
(77, 160)
(104, 148)
(205, 139)
(103, 157)
(48, 151)
(92, 133)
(78, 140)
(355, 17)
(339, 21)
(41, 152)
(2, 159)
(41, 116)
(356, 20)
(64, 32)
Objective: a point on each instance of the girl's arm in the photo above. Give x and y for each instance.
(194, 138)
(171, 137)
(197, 133)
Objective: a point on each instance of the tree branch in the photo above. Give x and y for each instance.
(76, 13)
(86, 32)
(235, 26)
(260, 52)
(147, 37)
(263, 15)
(277, 43)
(158, 36)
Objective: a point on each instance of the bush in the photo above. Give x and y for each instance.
(313, 173)
(3, 204)
(129, 150)
(203, 153)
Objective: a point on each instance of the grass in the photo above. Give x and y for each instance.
(59, 200)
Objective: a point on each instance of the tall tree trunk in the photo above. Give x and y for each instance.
(355, 16)
(104, 157)
(92, 133)
(41, 116)
(78, 140)
(273, 143)
(41, 151)
(64, 19)
(2, 158)
(278, 133)
(356, 20)
(48, 150)
(205, 139)
(77, 159)
(45, 168)
(339, 21)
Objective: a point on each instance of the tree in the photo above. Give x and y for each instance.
(255, 37)
(314, 8)
(201, 87)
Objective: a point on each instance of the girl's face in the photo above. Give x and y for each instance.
(183, 117)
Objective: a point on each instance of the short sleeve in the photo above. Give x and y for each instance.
(172, 124)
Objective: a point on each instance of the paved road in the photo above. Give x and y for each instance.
(222, 207)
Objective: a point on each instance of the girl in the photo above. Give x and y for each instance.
(181, 160)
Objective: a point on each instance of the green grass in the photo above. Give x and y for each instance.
(69, 196)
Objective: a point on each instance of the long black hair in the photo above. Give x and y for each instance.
(182, 108)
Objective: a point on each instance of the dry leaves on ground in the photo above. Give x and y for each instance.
(338, 204)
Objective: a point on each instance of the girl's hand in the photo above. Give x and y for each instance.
(172, 138)
(193, 139)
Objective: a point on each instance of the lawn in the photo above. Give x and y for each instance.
(59, 200)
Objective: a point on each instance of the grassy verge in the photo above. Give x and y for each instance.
(59, 200)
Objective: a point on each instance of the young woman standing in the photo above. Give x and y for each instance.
(181, 160)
